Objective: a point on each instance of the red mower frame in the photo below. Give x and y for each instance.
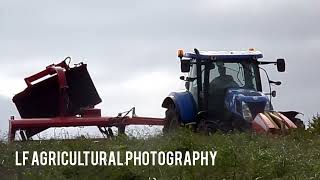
(88, 116)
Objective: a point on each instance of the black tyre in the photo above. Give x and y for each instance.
(239, 124)
(171, 120)
(205, 124)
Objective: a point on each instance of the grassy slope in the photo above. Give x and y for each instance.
(240, 156)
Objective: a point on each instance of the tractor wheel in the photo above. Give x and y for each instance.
(241, 125)
(209, 127)
(171, 122)
(205, 124)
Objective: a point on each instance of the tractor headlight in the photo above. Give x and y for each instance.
(246, 113)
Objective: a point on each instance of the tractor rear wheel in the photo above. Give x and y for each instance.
(171, 122)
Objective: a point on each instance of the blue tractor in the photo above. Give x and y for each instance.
(223, 91)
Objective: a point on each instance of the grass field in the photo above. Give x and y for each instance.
(240, 156)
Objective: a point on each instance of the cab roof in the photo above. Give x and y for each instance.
(225, 55)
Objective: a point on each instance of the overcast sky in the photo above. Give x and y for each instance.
(130, 46)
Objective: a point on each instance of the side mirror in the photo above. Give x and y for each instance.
(281, 65)
(182, 78)
(275, 82)
(185, 66)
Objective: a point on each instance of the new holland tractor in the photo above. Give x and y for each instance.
(224, 92)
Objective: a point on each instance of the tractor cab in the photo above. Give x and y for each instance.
(221, 71)
(222, 87)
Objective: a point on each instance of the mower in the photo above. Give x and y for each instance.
(64, 96)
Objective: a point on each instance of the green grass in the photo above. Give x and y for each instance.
(240, 156)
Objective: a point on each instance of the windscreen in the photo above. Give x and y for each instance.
(224, 75)
(233, 75)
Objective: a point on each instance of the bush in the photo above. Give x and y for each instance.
(314, 126)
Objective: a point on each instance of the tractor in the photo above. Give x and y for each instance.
(224, 92)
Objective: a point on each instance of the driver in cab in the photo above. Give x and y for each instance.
(223, 81)
(218, 87)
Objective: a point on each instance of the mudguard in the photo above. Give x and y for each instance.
(184, 103)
